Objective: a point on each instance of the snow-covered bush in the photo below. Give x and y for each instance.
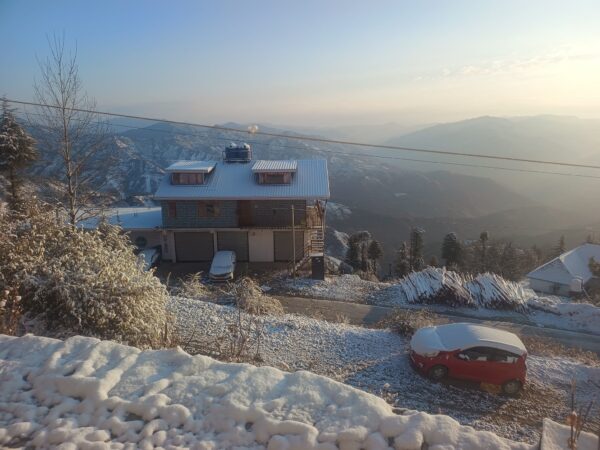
(80, 282)
(406, 322)
(243, 335)
(249, 297)
(191, 286)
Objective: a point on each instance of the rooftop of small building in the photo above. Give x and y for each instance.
(237, 181)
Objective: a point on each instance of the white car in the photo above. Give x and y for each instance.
(150, 257)
(223, 266)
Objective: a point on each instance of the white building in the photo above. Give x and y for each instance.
(561, 275)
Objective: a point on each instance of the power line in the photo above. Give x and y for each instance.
(316, 139)
(366, 155)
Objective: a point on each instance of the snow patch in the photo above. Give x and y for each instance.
(86, 393)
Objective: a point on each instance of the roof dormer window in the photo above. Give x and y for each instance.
(187, 178)
(190, 172)
(274, 172)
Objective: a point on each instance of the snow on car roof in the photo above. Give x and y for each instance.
(460, 336)
(222, 257)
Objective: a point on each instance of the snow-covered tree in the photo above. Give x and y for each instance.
(402, 263)
(72, 281)
(451, 250)
(375, 252)
(416, 249)
(17, 151)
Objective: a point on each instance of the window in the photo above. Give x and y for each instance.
(172, 210)
(488, 354)
(208, 209)
(275, 178)
(187, 178)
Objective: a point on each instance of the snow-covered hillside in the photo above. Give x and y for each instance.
(89, 394)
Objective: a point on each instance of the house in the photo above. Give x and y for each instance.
(563, 274)
(264, 210)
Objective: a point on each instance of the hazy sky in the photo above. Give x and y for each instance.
(317, 62)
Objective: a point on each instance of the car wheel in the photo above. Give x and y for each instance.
(438, 372)
(512, 387)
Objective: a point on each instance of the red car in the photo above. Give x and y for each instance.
(470, 352)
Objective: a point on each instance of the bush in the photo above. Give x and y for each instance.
(245, 328)
(192, 287)
(405, 321)
(80, 282)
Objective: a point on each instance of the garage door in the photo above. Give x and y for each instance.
(234, 240)
(284, 245)
(191, 247)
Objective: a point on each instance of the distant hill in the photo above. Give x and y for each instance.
(557, 138)
(385, 196)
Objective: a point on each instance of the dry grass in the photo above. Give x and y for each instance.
(546, 347)
(250, 298)
(406, 322)
(192, 287)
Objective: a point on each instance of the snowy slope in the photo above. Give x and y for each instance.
(85, 393)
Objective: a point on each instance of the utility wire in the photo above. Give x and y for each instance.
(314, 139)
(366, 155)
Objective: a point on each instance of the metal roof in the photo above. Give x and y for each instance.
(571, 264)
(274, 166)
(133, 218)
(192, 166)
(234, 181)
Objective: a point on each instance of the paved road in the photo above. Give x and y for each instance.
(360, 314)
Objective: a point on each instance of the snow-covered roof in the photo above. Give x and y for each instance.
(234, 181)
(139, 218)
(272, 166)
(571, 264)
(460, 336)
(192, 166)
(100, 394)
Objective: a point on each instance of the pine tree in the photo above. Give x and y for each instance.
(433, 262)
(510, 267)
(560, 246)
(451, 250)
(484, 237)
(402, 260)
(416, 249)
(17, 151)
(375, 252)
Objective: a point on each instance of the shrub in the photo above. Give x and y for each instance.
(192, 287)
(81, 282)
(406, 321)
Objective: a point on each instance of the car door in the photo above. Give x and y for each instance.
(503, 366)
(473, 363)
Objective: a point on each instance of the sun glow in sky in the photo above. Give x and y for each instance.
(317, 62)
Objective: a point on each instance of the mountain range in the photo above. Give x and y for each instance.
(389, 196)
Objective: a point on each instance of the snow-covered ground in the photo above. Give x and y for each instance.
(376, 361)
(343, 287)
(89, 394)
(483, 296)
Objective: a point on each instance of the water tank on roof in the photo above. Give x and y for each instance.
(237, 153)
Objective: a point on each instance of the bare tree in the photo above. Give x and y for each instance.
(69, 127)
